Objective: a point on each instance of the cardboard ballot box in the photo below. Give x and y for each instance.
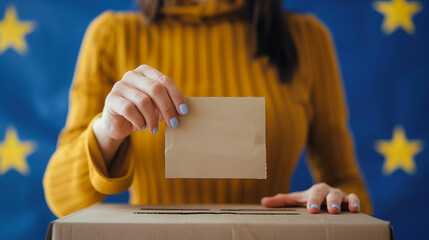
(113, 221)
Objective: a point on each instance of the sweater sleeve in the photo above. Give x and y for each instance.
(76, 175)
(330, 146)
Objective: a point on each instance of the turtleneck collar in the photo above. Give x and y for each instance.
(194, 11)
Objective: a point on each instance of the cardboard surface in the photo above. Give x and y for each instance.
(110, 221)
(221, 137)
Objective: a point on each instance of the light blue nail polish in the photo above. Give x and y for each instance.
(335, 206)
(183, 109)
(313, 205)
(155, 130)
(356, 205)
(174, 123)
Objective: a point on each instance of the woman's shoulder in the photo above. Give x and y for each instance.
(117, 16)
(310, 34)
(313, 42)
(110, 21)
(306, 25)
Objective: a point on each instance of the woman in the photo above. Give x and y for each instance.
(112, 141)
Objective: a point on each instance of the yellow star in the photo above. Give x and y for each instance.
(13, 153)
(399, 152)
(398, 14)
(12, 32)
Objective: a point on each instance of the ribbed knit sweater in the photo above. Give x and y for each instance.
(207, 50)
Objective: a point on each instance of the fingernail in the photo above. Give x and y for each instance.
(174, 123)
(335, 206)
(183, 109)
(263, 200)
(313, 205)
(356, 205)
(155, 130)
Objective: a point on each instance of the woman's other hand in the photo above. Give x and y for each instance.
(314, 197)
(139, 101)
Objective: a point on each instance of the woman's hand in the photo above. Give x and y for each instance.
(139, 101)
(313, 198)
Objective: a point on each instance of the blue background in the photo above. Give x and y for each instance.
(386, 78)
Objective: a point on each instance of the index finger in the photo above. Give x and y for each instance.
(174, 93)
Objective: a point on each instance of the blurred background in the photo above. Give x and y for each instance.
(384, 56)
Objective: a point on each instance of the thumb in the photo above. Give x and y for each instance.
(284, 200)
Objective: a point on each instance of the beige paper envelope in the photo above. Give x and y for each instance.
(221, 137)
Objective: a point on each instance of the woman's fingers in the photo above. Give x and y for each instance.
(162, 100)
(143, 98)
(157, 93)
(334, 199)
(174, 93)
(283, 200)
(353, 202)
(142, 102)
(316, 196)
(127, 109)
(162, 91)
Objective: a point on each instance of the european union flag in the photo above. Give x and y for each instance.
(383, 50)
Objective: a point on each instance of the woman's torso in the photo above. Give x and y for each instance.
(215, 59)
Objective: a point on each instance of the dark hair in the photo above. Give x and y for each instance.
(271, 36)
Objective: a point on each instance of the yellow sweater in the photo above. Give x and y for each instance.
(206, 49)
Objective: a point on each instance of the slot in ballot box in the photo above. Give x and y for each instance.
(177, 222)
